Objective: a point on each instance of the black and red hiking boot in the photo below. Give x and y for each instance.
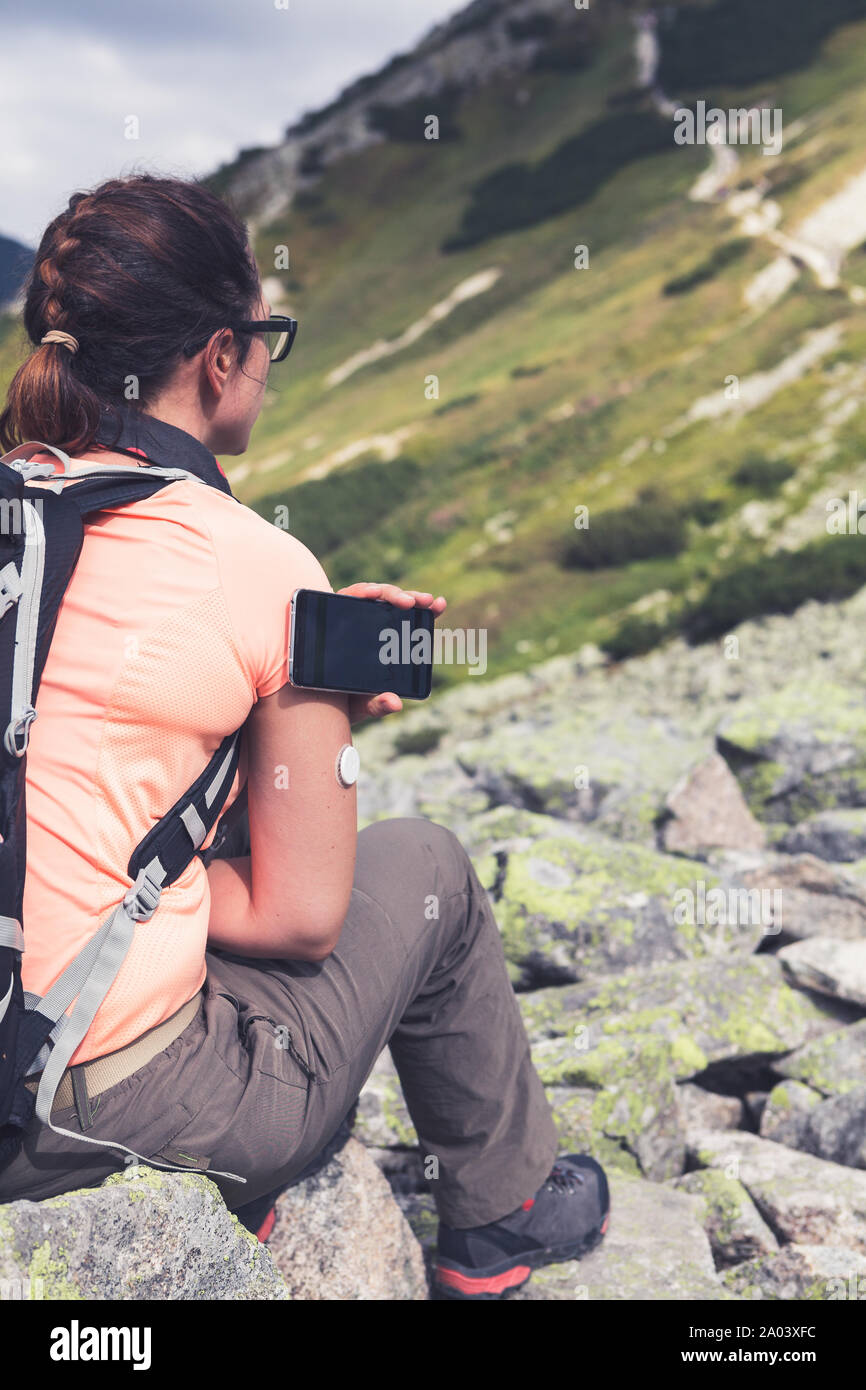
(566, 1218)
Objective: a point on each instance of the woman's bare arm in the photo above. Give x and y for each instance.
(290, 897)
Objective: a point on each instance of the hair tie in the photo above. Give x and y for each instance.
(65, 339)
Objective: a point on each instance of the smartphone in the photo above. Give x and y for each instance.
(360, 645)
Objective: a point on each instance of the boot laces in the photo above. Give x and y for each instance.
(564, 1179)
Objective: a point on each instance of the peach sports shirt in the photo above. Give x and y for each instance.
(175, 622)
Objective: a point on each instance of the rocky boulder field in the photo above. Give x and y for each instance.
(675, 851)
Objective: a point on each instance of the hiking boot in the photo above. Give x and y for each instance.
(565, 1219)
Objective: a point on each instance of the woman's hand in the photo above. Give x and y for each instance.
(375, 706)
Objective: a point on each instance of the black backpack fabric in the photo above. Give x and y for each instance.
(41, 535)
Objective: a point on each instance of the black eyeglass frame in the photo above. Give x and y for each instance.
(277, 323)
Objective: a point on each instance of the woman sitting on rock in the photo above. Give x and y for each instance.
(253, 1003)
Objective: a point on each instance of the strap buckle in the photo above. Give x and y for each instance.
(29, 470)
(19, 729)
(11, 587)
(143, 897)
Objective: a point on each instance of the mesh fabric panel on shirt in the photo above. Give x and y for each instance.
(148, 757)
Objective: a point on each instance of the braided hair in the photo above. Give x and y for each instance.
(141, 271)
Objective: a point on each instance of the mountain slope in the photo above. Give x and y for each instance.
(464, 382)
(559, 387)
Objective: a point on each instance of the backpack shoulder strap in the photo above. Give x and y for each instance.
(95, 488)
(38, 1033)
(48, 1037)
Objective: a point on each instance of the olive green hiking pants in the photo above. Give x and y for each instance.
(263, 1076)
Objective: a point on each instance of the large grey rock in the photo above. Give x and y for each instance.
(655, 1249)
(834, 1129)
(684, 1015)
(504, 829)
(340, 1235)
(730, 1218)
(632, 1037)
(576, 1120)
(707, 810)
(700, 1109)
(599, 763)
(784, 1118)
(837, 835)
(808, 897)
(638, 1133)
(799, 748)
(836, 968)
(803, 1199)
(645, 1121)
(819, 1272)
(832, 1064)
(142, 1234)
(434, 787)
(571, 902)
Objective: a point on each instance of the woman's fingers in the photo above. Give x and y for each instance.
(425, 600)
(373, 706)
(387, 703)
(392, 593)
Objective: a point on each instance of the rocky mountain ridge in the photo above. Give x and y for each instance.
(485, 40)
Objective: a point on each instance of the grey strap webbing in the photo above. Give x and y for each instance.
(59, 476)
(189, 815)
(22, 453)
(220, 775)
(11, 933)
(22, 712)
(89, 978)
(19, 459)
(194, 824)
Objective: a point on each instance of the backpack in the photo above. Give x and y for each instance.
(41, 534)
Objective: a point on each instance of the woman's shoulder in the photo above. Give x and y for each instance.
(250, 538)
(248, 546)
(260, 564)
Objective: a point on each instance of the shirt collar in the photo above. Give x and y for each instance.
(134, 432)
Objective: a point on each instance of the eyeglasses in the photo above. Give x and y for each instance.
(279, 332)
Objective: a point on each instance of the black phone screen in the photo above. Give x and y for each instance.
(340, 642)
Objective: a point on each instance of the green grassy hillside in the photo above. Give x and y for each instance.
(561, 388)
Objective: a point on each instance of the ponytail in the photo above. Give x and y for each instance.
(46, 398)
(138, 274)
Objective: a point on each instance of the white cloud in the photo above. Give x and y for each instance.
(204, 77)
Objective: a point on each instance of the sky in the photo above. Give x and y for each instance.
(204, 78)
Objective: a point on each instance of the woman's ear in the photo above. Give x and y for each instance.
(217, 359)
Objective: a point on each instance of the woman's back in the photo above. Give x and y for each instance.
(174, 623)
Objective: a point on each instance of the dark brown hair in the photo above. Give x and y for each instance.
(141, 271)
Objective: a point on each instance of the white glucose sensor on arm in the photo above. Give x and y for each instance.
(348, 765)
